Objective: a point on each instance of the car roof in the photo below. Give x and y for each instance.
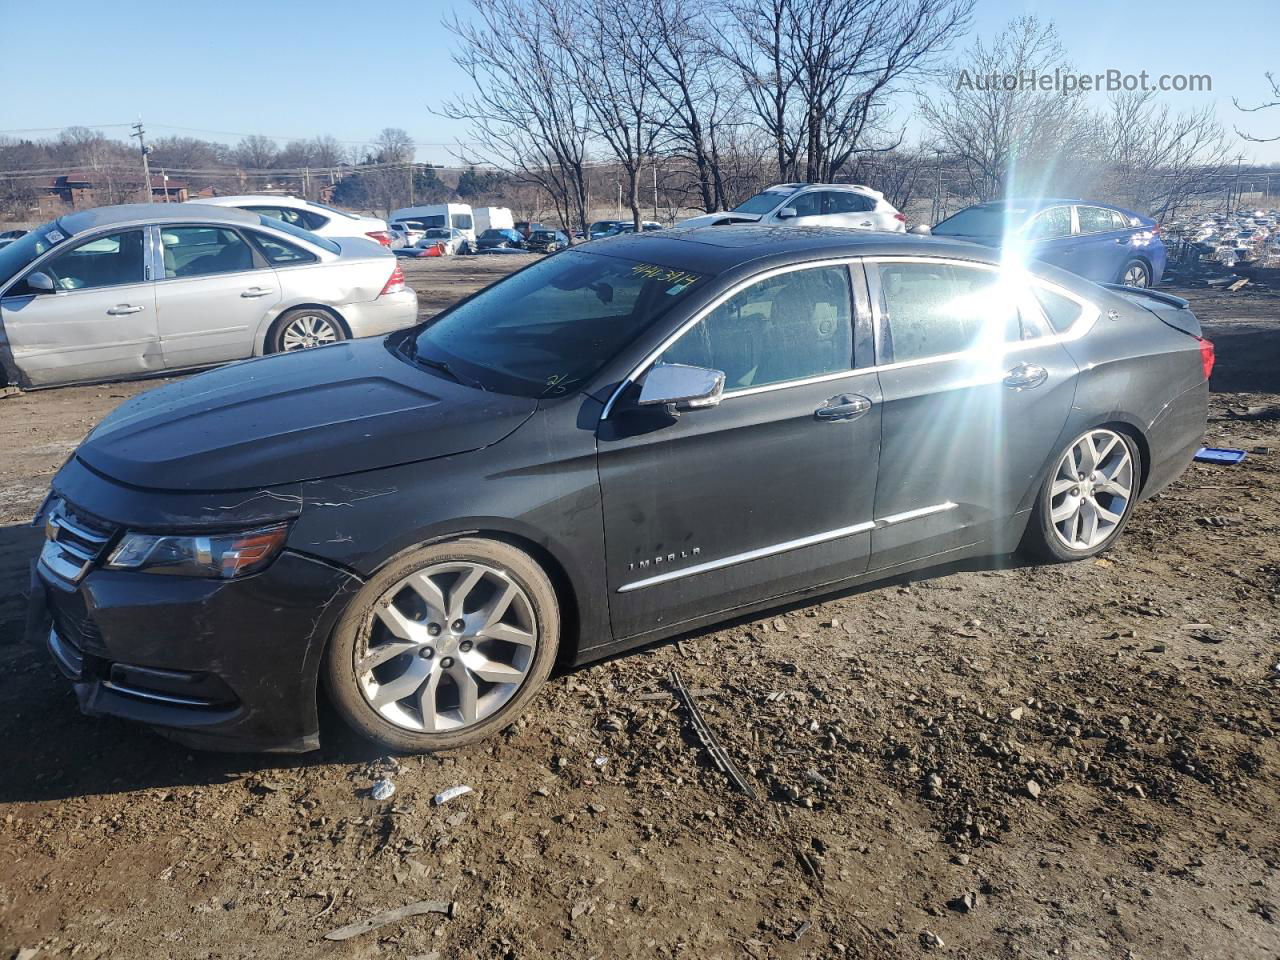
(263, 198)
(130, 213)
(712, 250)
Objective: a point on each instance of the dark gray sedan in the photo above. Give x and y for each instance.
(616, 444)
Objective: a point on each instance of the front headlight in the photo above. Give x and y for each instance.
(222, 555)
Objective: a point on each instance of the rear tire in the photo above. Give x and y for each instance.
(1136, 274)
(445, 646)
(304, 327)
(1087, 498)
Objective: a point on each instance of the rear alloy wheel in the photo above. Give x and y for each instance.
(445, 646)
(304, 328)
(1136, 274)
(1087, 498)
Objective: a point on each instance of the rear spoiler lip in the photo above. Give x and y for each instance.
(1166, 298)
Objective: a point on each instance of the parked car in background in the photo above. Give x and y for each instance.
(628, 226)
(546, 241)
(307, 215)
(601, 228)
(450, 241)
(1099, 242)
(499, 239)
(405, 233)
(557, 469)
(132, 290)
(9, 236)
(812, 205)
(526, 227)
(459, 216)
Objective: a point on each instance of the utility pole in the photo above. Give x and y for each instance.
(146, 166)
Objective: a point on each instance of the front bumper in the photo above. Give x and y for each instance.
(218, 664)
(388, 313)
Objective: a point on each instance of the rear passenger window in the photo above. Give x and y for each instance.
(280, 252)
(934, 309)
(1099, 220)
(199, 251)
(1061, 311)
(788, 327)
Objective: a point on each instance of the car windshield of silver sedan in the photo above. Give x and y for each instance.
(543, 332)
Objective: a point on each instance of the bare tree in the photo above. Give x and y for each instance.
(526, 115)
(1009, 139)
(821, 73)
(256, 152)
(1158, 160)
(1267, 105)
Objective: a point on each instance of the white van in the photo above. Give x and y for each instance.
(493, 218)
(455, 215)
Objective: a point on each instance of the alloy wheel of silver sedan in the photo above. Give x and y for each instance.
(306, 330)
(1092, 490)
(447, 647)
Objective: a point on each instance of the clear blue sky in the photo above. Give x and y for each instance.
(351, 69)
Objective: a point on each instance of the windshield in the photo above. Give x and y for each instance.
(298, 232)
(761, 202)
(341, 213)
(543, 332)
(14, 257)
(984, 221)
(439, 233)
(600, 226)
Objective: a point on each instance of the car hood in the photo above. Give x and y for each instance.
(725, 216)
(326, 412)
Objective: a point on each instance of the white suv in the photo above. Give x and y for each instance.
(812, 204)
(307, 215)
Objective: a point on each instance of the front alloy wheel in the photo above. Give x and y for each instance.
(1087, 498)
(445, 646)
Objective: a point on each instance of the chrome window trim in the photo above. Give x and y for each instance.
(1089, 314)
(786, 546)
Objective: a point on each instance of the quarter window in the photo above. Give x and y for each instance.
(201, 251)
(106, 261)
(787, 327)
(1060, 311)
(934, 309)
(281, 252)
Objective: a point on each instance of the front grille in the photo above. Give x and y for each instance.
(73, 542)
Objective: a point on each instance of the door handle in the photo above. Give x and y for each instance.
(121, 309)
(1025, 376)
(843, 407)
(254, 292)
(1122, 240)
(866, 223)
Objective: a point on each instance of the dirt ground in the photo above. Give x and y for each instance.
(998, 761)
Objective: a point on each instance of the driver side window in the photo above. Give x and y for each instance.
(807, 204)
(791, 326)
(106, 261)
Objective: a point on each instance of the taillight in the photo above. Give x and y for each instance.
(395, 283)
(381, 236)
(900, 217)
(1207, 356)
(1156, 229)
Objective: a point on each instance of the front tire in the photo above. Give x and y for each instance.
(1088, 497)
(445, 646)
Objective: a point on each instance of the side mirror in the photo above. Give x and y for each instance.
(921, 230)
(681, 387)
(40, 282)
(787, 213)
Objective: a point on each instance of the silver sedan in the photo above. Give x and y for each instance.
(132, 290)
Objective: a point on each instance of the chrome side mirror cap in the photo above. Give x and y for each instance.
(679, 386)
(921, 230)
(40, 282)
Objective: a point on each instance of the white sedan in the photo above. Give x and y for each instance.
(308, 215)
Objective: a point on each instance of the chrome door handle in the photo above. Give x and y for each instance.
(843, 407)
(1025, 376)
(255, 292)
(120, 309)
(866, 223)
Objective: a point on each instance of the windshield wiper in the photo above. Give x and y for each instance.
(411, 350)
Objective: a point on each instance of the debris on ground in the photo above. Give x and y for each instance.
(444, 796)
(703, 732)
(447, 907)
(382, 790)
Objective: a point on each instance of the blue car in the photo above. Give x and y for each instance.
(1102, 243)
